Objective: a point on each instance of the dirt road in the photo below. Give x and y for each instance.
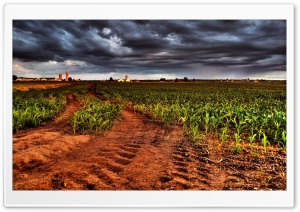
(135, 154)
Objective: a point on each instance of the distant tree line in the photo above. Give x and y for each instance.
(185, 79)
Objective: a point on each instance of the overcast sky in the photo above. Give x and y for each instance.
(201, 49)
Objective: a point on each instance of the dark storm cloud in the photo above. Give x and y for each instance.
(150, 45)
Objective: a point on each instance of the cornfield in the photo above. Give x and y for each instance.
(239, 112)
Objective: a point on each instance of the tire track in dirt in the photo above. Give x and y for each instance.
(246, 172)
(123, 159)
(135, 154)
(190, 171)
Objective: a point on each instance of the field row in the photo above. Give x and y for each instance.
(239, 112)
(33, 108)
(243, 112)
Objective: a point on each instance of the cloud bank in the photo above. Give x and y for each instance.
(150, 48)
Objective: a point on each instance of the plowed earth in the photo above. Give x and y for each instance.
(137, 154)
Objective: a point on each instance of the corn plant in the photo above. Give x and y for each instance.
(283, 142)
(206, 119)
(237, 149)
(224, 134)
(195, 136)
(239, 123)
(265, 142)
(214, 123)
(251, 140)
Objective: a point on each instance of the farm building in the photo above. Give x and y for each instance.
(126, 79)
(25, 79)
(44, 78)
(49, 79)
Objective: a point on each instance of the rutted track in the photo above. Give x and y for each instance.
(135, 154)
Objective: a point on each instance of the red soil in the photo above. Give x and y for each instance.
(136, 154)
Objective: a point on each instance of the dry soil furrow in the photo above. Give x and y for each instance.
(135, 154)
(129, 156)
(34, 149)
(185, 173)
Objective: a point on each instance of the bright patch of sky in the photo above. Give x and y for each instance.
(74, 63)
(224, 37)
(162, 54)
(173, 38)
(113, 44)
(106, 31)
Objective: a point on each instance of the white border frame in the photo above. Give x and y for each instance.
(146, 198)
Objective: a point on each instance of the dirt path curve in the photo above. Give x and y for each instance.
(135, 154)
